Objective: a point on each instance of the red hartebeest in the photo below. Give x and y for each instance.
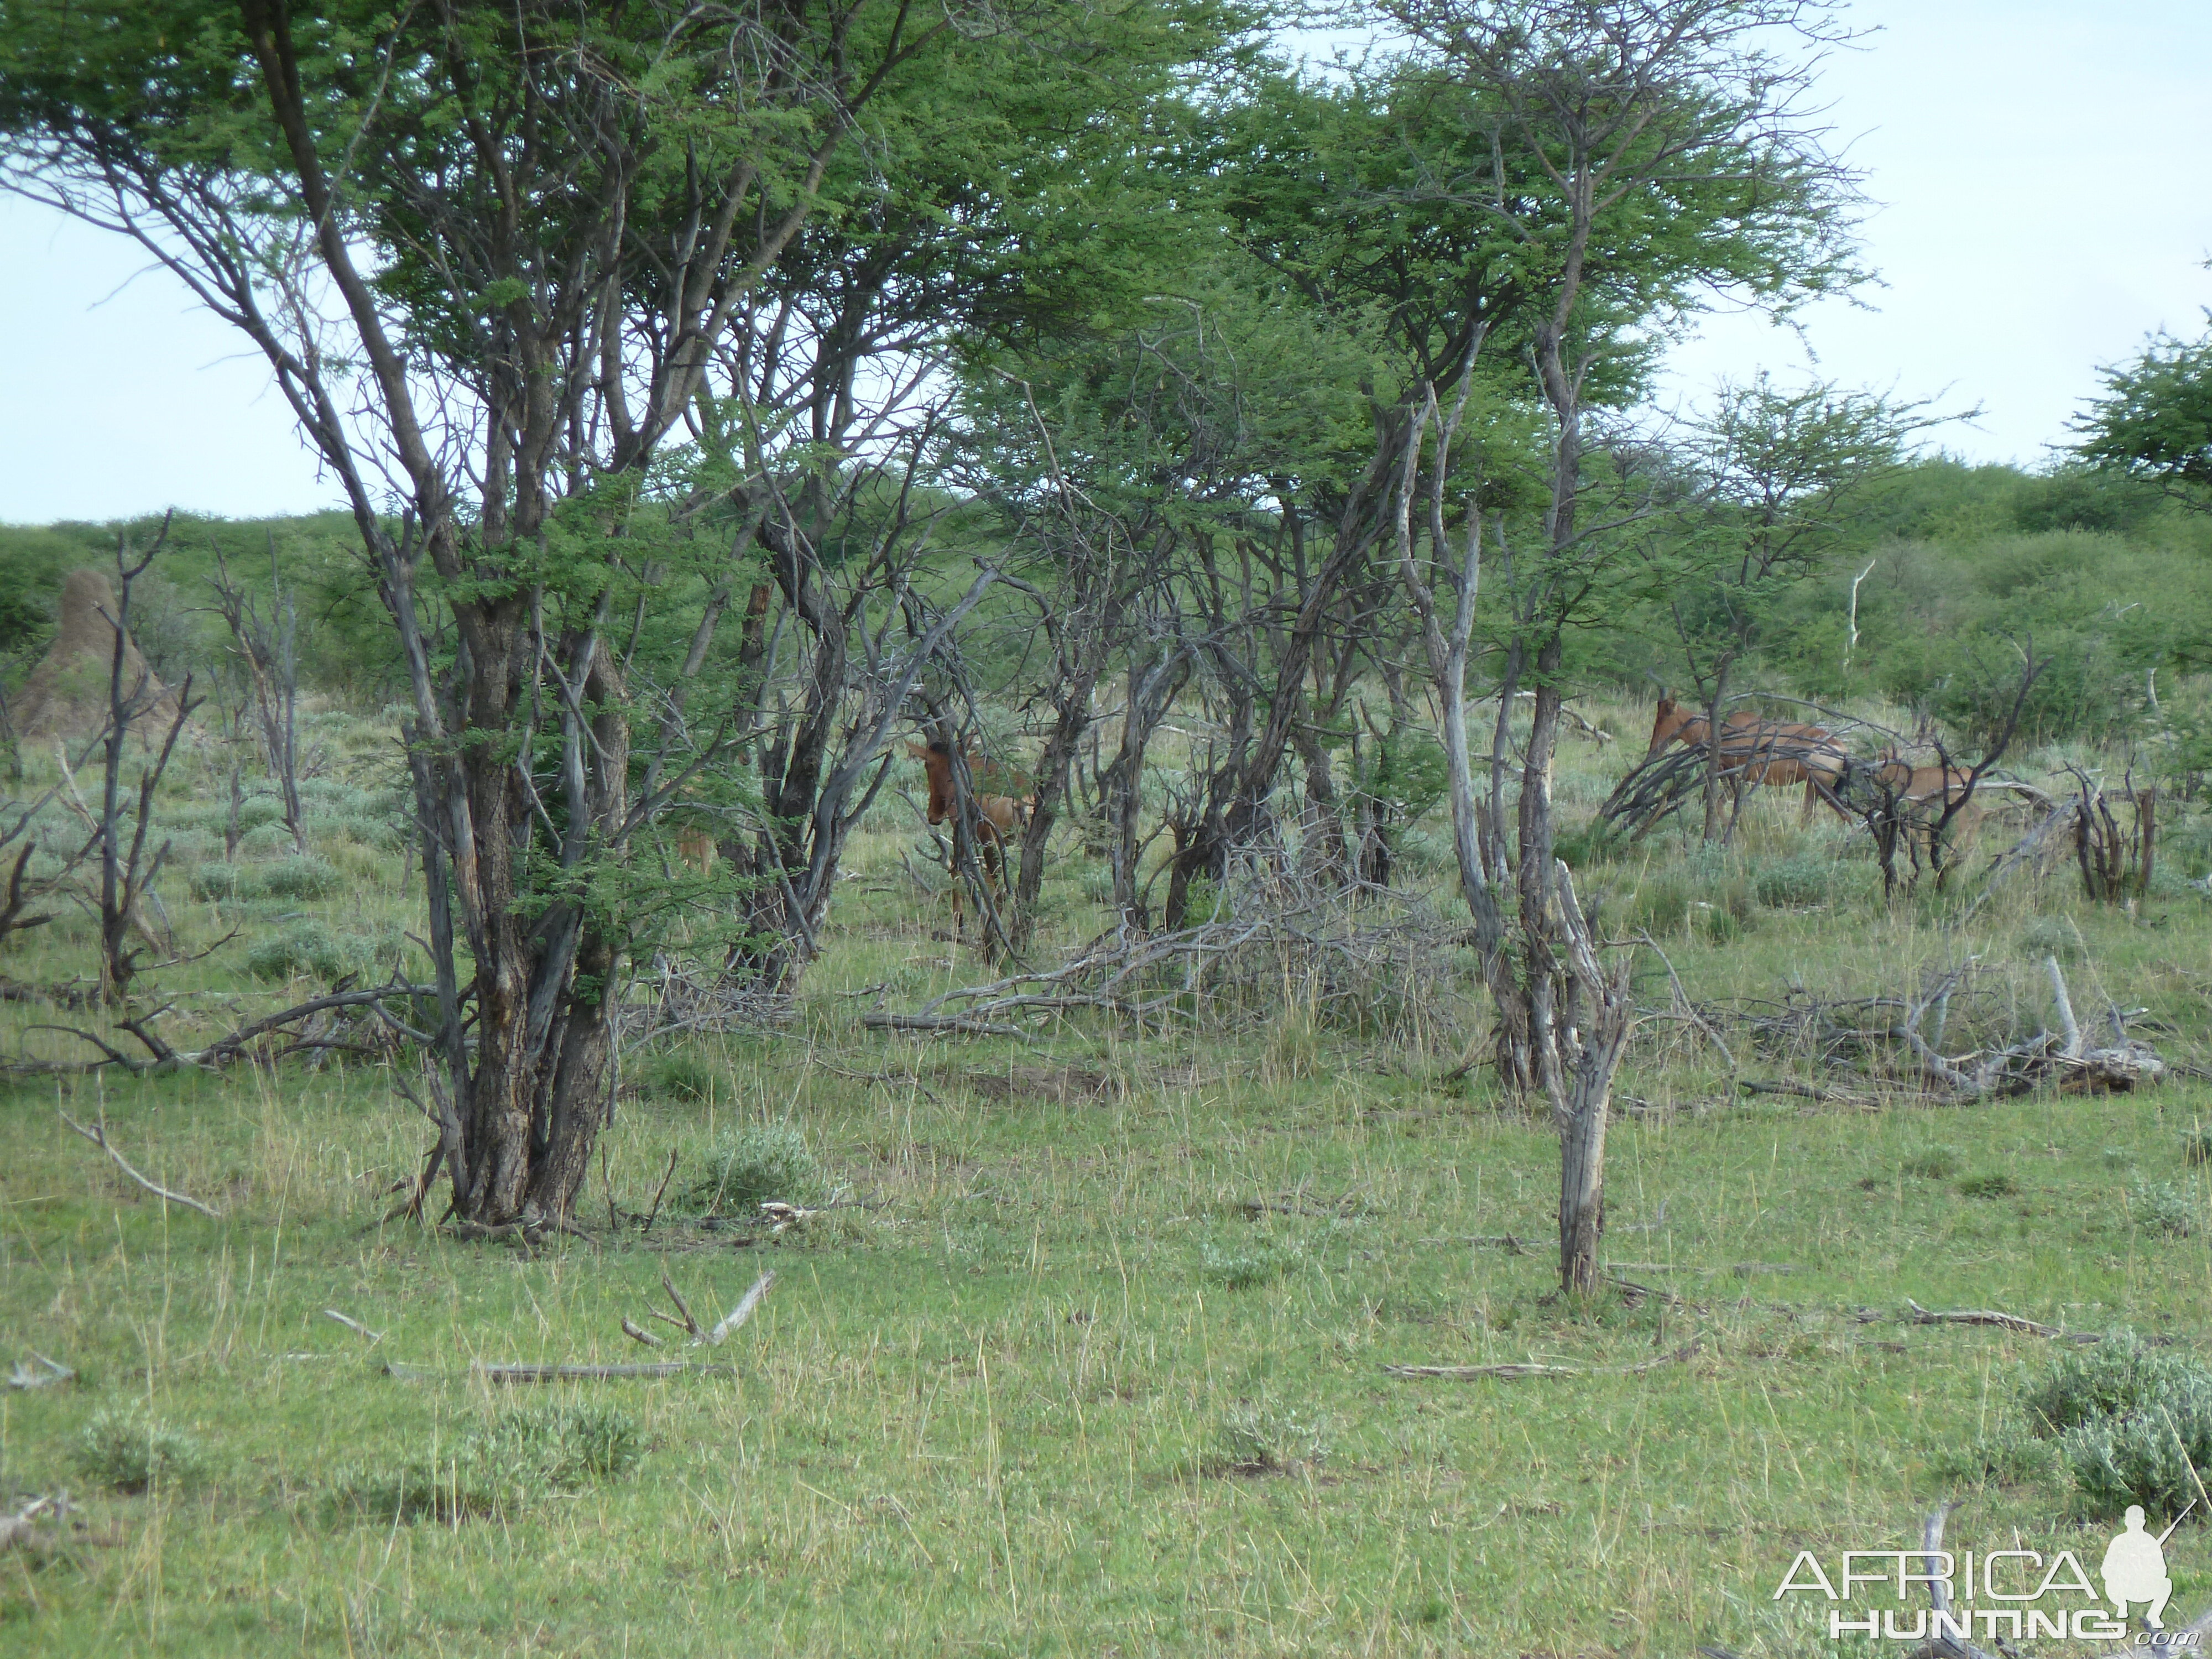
(991, 819)
(1754, 751)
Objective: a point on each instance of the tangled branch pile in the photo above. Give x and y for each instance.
(1344, 964)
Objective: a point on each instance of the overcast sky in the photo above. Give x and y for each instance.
(2038, 165)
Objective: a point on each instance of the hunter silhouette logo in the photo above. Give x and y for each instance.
(2135, 1568)
(2013, 1594)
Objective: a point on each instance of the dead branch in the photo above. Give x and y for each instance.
(1931, 1541)
(18, 1528)
(737, 1316)
(1505, 1242)
(354, 1325)
(654, 1213)
(221, 1052)
(98, 1137)
(1688, 1009)
(1917, 1315)
(520, 1371)
(638, 1334)
(682, 1306)
(1513, 1373)
(23, 1376)
(948, 1023)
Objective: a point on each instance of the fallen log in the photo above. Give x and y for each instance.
(523, 1371)
(98, 1136)
(1514, 1372)
(1917, 1315)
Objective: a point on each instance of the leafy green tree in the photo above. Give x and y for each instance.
(1673, 163)
(1780, 477)
(514, 267)
(2155, 420)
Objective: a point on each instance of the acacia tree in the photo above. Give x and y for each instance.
(1780, 473)
(491, 253)
(2155, 420)
(1668, 158)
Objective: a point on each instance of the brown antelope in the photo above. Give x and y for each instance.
(1938, 787)
(1777, 753)
(696, 848)
(992, 819)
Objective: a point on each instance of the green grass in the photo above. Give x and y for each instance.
(1089, 1358)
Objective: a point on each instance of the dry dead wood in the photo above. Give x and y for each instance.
(743, 1311)
(1514, 1372)
(2065, 1054)
(522, 1371)
(23, 1376)
(353, 1325)
(98, 1136)
(1917, 1315)
(683, 1319)
(19, 1528)
(162, 1057)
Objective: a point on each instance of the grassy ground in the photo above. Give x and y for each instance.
(1094, 1364)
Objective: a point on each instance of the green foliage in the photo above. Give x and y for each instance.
(1991, 1183)
(1800, 880)
(2117, 1378)
(312, 948)
(499, 1467)
(218, 881)
(1247, 1262)
(2080, 499)
(759, 1162)
(2164, 1207)
(306, 877)
(124, 1447)
(688, 1075)
(1258, 1438)
(2155, 420)
(34, 563)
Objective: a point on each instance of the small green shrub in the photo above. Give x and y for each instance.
(2196, 1146)
(1795, 882)
(301, 879)
(2164, 1207)
(217, 880)
(759, 1162)
(309, 947)
(2150, 1458)
(500, 1465)
(2116, 1377)
(1253, 1438)
(125, 1449)
(1585, 845)
(412, 1490)
(1932, 1163)
(1993, 1183)
(1255, 1262)
(268, 838)
(558, 1447)
(686, 1074)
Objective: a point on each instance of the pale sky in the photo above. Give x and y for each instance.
(2039, 165)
